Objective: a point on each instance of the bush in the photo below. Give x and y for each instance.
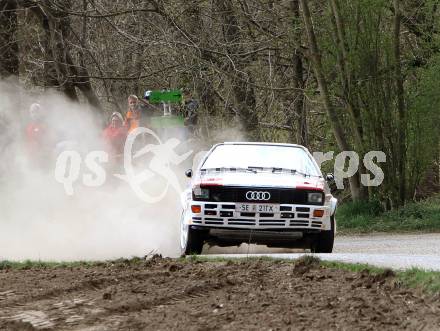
(369, 216)
(352, 209)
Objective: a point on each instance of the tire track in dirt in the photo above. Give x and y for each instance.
(95, 284)
(190, 295)
(18, 311)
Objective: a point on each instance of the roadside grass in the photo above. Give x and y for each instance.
(426, 280)
(29, 264)
(367, 217)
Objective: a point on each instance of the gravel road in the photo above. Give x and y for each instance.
(406, 244)
(398, 251)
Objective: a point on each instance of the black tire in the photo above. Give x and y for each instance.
(323, 243)
(194, 244)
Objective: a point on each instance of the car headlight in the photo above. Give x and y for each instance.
(201, 193)
(315, 197)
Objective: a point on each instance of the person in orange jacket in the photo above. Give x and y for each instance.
(133, 115)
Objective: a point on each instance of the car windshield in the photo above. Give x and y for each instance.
(261, 156)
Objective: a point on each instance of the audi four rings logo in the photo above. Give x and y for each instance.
(257, 195)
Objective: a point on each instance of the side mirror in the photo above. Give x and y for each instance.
(189, 173)
(329, 177)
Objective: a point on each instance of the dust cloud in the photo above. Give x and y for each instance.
(39, 221)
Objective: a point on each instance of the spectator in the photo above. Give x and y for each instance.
(115, 135)
(133, 116)
(190, 111)
(37, 135)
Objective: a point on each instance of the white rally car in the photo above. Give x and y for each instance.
(261, 193)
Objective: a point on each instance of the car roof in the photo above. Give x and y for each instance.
(260, 143)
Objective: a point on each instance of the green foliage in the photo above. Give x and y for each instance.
(359, 60)
(367, 208)
(363, 217)
(424, 120)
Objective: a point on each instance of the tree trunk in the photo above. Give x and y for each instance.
(82, 82)
(298, 83)
(9, 63)
(243, 88)
(204, 87)
(57, 72)
(346, 75)
(50, 78)
(400, 106)
(59, 24)
(60, 70)
(356, 192)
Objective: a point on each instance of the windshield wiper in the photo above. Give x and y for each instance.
(229, 169)
(292, 171)
(254, 168)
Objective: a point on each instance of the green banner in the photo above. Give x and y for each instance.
(172, 96)
(161, 122)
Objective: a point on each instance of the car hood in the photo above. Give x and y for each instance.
(260, 179)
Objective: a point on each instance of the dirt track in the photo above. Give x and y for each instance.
(168, 294)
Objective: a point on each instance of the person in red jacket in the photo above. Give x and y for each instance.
(114, 136)
(37, 135)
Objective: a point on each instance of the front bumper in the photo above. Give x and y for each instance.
(290, 217)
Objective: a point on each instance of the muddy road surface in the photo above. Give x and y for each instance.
(163, 294)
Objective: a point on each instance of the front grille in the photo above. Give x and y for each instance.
(225, 215)
(213, 221)
(299, 223)
(273, 222)
(233, 221)
(277, 195)
(316, 224)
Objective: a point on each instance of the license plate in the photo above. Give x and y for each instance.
(257, 208)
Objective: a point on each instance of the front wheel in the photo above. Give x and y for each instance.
(191, 240)
(323, 243)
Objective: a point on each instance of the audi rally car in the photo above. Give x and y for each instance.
(261, 193)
